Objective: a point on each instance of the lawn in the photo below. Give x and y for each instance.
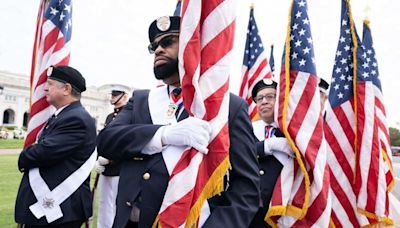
(10, 178)
(11, 143)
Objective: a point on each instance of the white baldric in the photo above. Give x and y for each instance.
(49, 201)
(259, 132)
(159, 102)
(259, 129)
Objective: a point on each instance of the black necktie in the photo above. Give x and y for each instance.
(50, 121)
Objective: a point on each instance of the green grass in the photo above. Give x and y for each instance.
(10, 179)
(11, 143)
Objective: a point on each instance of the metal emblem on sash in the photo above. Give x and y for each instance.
(48, 203)
(171, 110)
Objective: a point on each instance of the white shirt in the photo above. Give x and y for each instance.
(259, 132)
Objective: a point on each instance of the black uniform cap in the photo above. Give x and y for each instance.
(323, 85)
(67, 74)
(262, 84)
(164, 25)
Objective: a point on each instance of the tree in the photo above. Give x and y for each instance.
(394, 136)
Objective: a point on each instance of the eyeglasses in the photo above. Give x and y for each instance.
(268, 97)
(164, 43)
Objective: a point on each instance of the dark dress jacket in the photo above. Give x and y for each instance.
(131, 131)
(270, 170)
(63, 146)
(112, 169)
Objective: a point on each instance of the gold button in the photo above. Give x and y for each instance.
(146, 176)
(261, 172)
(138, 158)
(128, 204)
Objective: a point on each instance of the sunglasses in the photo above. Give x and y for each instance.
(164, 43)
(116, 93)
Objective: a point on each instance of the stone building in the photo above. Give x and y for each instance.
(15, 100)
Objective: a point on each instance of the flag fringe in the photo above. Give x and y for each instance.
(255, 117)
(280, 210)
(214, 186)
(355, 43)
(387, 161)
(331, 223)
(381, 220)
(293, 210)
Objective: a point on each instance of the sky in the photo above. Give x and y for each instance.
(110, 38)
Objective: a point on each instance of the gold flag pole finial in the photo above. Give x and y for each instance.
(367, 11)
(252, 5)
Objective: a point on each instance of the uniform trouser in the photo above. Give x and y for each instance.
(108, 186)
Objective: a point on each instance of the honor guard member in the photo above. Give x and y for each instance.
(54, 190)
(272, 147)
(153, 120)
(109, 169)
(323, 91)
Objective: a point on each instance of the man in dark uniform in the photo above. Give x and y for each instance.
(272, 146)
(108, 169)
(54, 191)
(323, 91)
(141, 136)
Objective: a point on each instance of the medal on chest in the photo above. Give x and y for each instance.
(175, 98)
(172, 108)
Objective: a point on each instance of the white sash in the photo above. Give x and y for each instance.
(49, 202)
(158, 105)
(259, 129)
(259, 132)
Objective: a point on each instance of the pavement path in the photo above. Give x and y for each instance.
(10, 151)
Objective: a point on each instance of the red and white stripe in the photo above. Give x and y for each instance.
(373, 165)
(205, 53)
(260, 70)
(340, 136)
(307, 203)
(49, 49)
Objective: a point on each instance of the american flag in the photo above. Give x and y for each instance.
(205, 54)
(374, 172)
(51, 47)
(271, 60)
(301, 197)
(255, 64)
(340, 129)
(177, 11)
(356, 132)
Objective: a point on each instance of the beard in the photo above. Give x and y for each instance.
(166, 70)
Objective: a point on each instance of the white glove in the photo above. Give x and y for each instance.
(278, 145)
(192, 132)
(100, 164)
(99, 168)
(103, 160)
